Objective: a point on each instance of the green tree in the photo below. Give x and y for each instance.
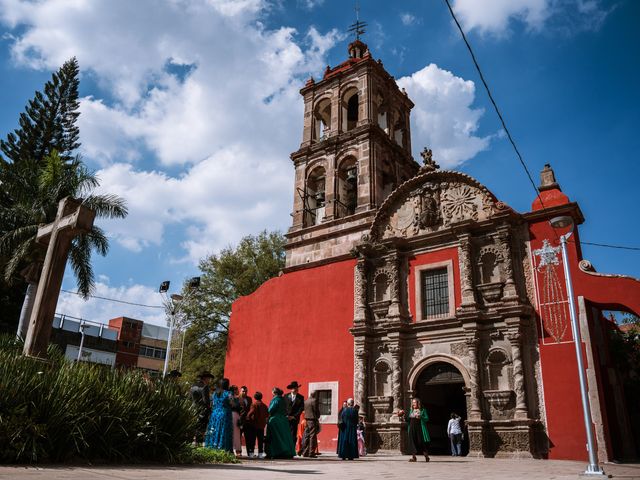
(39, 169)
(231, 274)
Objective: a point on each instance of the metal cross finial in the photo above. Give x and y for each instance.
(357, 28)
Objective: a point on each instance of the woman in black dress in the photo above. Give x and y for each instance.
(418, 434)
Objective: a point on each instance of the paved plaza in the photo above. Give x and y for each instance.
(329, 467)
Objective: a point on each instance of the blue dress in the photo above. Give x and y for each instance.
(220, 429)
(348, 438)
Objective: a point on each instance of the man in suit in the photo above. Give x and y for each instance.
(245, 405)
(294, 403)
(312, 416)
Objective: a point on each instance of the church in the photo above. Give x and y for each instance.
(404, 280)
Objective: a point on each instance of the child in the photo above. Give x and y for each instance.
(254, 426)
(362, 449)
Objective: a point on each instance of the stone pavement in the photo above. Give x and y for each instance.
(329, 467)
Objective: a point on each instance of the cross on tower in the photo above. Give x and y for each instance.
(72, 219)
(357, 28)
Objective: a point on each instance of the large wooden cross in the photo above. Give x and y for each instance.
(72, 219)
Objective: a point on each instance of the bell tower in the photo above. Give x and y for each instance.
(355, 150)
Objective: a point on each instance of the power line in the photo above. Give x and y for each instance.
(506, 130)
(620, 247)
(493, 102)
(115, 300)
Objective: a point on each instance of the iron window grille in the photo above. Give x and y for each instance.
(435, 293)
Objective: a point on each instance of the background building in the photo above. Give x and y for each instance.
(123, 343)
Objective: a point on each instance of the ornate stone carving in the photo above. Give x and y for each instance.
(459, 349)
(507, 263)
(459, 203)
(472, 345)
(498, 399)
(430, 201)
(466, 272)
(359, 293)
(518, 375)
(396, 376)
(360, 377)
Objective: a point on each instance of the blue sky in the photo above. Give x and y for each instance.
(190, 110)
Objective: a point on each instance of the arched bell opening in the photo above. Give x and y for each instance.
(322, 119)
(314, 208)
(350, 109)
(347, 198)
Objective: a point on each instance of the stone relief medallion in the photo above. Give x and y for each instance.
(459, 203)
(444, 198)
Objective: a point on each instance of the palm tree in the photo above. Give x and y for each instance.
(35, 189)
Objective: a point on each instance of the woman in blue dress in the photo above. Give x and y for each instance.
(220, 430)
(348, 441)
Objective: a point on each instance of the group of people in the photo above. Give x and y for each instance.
(289, 425)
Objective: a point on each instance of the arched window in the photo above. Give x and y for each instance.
(350, 104)
(314, 207)
(347, 188)
(322, 119)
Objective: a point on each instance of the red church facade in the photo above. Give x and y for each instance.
(406, 281)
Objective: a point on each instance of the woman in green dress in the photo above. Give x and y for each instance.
(418, 434)
(279, 443)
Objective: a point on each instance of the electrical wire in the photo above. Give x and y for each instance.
(114, 300)
(508, 133)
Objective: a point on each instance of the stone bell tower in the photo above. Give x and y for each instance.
(355, 150)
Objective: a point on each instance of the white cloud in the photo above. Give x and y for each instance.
(443, 118)
(198, 109)
(495, 16)
(99, 310)
(408, 19)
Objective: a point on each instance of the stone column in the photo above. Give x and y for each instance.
(466, 270)
(504, 237)
(518, 375)
(475, 413)
(396, 376)
(360, 293)
(394, 288)
(360, 378)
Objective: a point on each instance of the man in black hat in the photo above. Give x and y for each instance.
(294, 403)
(201, 396)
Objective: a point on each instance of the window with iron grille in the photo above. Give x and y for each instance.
(435, 293)
(324, 401)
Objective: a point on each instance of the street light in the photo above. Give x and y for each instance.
(172, 304)
(563, 222)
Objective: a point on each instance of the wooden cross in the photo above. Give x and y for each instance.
(72, 219)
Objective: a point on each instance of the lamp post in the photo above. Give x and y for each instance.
(593, 468)
(172, 304)
(82, 327)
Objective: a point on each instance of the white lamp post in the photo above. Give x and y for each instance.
(175, 299)
(593, 468)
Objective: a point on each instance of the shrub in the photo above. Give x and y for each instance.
(206, 455)
(59, 411)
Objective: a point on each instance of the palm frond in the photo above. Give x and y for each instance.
(80, 259)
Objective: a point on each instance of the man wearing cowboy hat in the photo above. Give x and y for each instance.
(294, 403)
(201, 396)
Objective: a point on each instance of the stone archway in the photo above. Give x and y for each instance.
(440, 385)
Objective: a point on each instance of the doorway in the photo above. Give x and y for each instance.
(441, 390)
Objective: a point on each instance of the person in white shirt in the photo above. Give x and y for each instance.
(454, 431)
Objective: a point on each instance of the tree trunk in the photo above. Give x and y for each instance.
(27, 307)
